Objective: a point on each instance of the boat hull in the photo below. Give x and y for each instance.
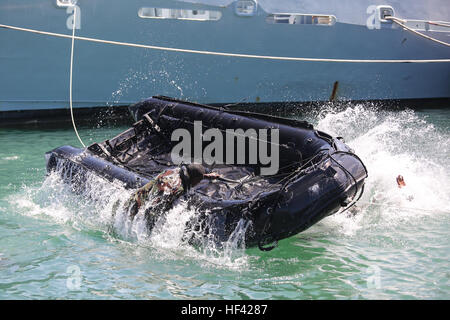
(317, 174)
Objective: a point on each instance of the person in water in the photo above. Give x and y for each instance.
(165, 189)
(400, 181)
(401, 184)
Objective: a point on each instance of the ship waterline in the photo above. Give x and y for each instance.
(34, 69)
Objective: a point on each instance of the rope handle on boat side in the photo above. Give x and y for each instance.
(269, 216)
(270, 210)
(347, 172)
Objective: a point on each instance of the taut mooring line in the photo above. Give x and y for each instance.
(224, 54)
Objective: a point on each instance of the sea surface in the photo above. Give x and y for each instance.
(58, 245)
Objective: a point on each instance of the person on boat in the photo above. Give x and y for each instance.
(165, 189)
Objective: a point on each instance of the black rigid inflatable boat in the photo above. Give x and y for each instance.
(318, 174)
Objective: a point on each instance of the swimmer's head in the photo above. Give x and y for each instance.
(195, 173)
(400, 181)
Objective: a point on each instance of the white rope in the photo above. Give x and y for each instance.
(225, 54)
(401, 23)
(71, 75)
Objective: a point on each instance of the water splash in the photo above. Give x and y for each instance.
(392, 143)
(99, 206)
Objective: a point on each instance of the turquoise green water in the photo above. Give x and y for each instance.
(56, 245)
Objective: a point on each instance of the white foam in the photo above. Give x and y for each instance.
(11, 158)
(98, 205)
(393, 143)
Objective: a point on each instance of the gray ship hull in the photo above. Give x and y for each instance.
(34, 69)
